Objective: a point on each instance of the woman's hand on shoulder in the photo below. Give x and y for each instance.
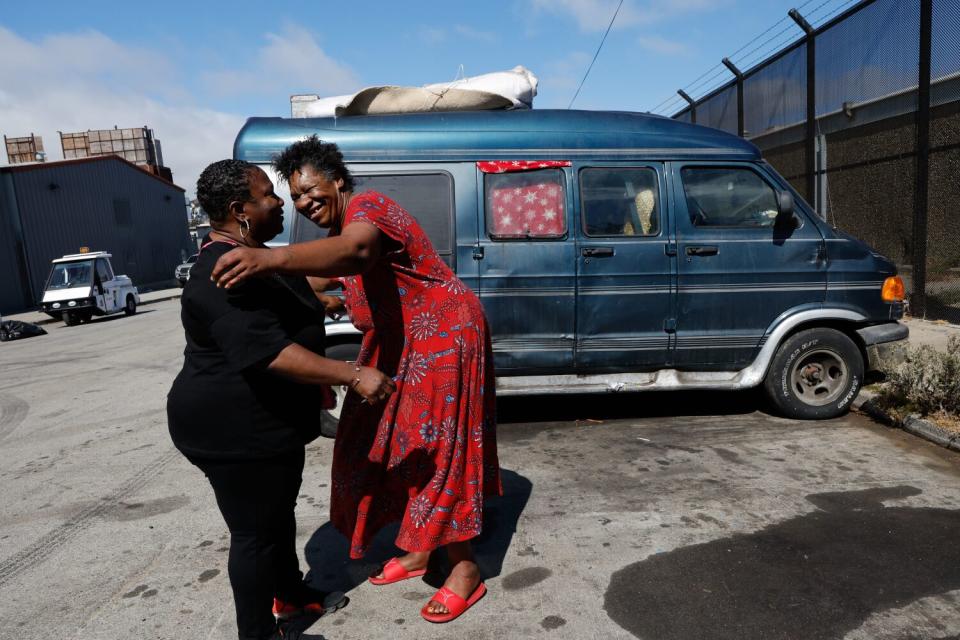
(372, 385)
(241, 263)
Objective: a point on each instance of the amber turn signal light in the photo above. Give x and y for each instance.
(893, 289)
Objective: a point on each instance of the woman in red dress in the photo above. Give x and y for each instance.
(428, 457)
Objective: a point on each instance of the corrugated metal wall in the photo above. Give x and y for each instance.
(11, 291)
(106, 205)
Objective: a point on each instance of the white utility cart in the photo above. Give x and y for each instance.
(83, 285)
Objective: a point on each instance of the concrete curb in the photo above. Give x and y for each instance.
(913, 424)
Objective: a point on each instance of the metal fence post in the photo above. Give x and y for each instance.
(811, 145)
(919, 300)
(739, 74)
(691, 102)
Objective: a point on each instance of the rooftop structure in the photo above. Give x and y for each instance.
(24, 149)
(137, 146)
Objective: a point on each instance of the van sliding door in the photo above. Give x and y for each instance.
(624, 294)
(526, 261)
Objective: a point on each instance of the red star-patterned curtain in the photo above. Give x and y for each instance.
(525, 206)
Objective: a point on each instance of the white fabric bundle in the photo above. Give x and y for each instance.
(514, 89)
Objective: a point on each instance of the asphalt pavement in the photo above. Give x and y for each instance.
(657, 516)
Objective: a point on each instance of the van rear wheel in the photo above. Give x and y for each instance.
(330, 418)
(131, 307)
(815, 375)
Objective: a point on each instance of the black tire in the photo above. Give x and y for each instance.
(86, 316)
(815, 375)
(131, 307)
(3, 335)
(71, 318)
(330, 418)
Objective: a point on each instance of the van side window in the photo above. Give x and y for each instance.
(728, 197)
(525, 204)
(619, 201)
(428, 197)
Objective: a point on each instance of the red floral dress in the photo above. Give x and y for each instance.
(428, 456)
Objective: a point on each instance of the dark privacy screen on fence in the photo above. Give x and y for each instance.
(777, 94)
(872, 54)
(862, 163)
(719, 111)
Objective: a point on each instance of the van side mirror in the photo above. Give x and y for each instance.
(785, 205)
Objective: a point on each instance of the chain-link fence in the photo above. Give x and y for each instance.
(862, 115)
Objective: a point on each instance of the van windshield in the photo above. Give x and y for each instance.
(66, 275)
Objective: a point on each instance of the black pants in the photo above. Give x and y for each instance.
(257, 500)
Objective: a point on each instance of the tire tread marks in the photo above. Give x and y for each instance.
(48, 544)
(13, 411)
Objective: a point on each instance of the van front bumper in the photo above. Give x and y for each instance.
(885, 345)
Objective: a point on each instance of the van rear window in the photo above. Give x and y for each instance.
(525, 205)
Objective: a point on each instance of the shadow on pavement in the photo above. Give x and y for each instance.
(645, 404)
(119, 316)
(331, 569)
(817, 576)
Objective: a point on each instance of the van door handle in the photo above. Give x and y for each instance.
(705, 250)
(596, 252)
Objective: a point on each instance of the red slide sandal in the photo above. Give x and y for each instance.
(393, 571)
(454, 604)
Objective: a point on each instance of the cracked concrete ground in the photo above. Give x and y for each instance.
(651, 515)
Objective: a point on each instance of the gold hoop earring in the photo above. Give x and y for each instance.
(244, 223)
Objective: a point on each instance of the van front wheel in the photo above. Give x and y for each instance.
(815, 375)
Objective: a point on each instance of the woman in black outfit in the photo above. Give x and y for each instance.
(248, 397)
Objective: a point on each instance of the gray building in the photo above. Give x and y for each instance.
(105, 203)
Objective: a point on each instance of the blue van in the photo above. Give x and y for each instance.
(620, 251)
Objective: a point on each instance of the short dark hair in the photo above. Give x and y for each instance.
(325, 157)
(221, 183)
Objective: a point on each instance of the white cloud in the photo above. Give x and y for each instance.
(594, 15)
(432, 35)
(656, 44)
(86, 80)
(560, 80)
(475, 34)
(80, 81)
(440, 35)
(289, 62)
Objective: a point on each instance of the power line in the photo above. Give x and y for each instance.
(604, 39)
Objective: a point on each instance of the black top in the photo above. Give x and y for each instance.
(224, 403)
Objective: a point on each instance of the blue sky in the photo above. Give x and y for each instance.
(195, 70)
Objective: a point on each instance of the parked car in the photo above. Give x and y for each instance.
(182, 272)
(623, 252)
(83, 285)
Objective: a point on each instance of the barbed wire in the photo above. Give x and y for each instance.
(748, 60)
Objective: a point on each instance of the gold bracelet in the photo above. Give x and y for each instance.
(356, 380)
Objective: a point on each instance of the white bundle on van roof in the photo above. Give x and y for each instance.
(514, 89)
